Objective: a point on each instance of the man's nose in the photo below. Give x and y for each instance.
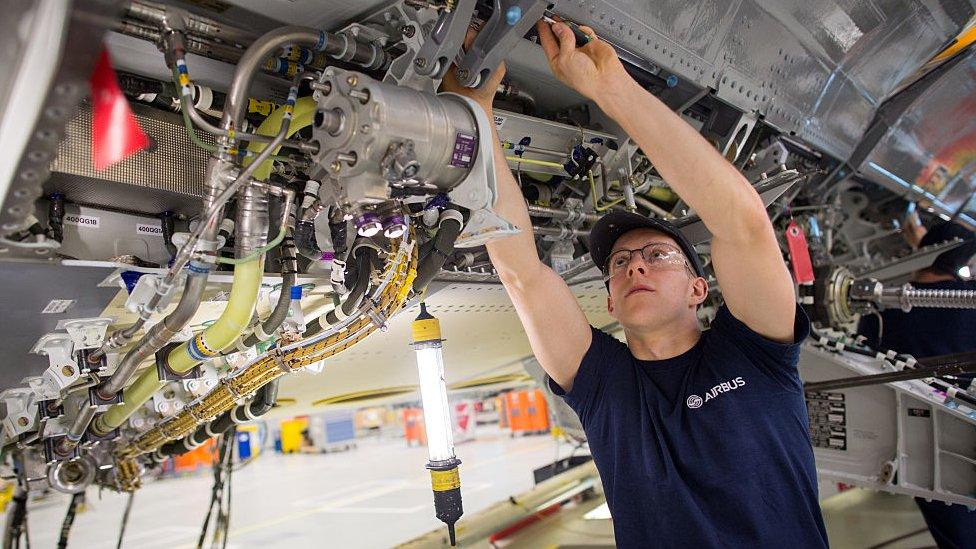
(636, 265)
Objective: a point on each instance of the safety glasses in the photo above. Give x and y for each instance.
(657, 255)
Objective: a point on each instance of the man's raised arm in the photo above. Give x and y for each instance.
(756, 285)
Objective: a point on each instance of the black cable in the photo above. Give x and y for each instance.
(69, 519)
(125, 519)
(230, 472)
(899, 538)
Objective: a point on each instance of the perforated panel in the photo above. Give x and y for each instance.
(168, 176)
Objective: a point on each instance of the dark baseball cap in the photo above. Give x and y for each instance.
(612, 226)
(951, 261)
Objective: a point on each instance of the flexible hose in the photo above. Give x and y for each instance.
(206, 344)
(440, 248)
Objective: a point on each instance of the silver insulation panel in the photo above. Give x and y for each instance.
(167, 176)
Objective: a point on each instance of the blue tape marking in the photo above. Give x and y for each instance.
(321, 43)
(194, 351)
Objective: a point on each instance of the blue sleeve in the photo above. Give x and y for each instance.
(589, 383)
(776, 361)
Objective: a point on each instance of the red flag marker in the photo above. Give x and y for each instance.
(799, 254)
(115, 132)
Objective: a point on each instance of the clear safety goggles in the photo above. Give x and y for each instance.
(657, 255)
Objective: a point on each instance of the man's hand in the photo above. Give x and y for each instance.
(483, 94)
(593, 69)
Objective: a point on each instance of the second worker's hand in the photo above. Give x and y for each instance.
(483, 94)
(593, 69)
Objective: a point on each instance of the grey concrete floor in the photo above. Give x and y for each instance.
(376, 495)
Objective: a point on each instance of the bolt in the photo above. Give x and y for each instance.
(361, 95)
(421, 62)
(513, 15)
(365, 128)
(672, 81)
(336, 166)
(352, 80)
(23, 421)
(324, 87)
(348, 158)
(68, 371)
(462, 74)
(408, 31)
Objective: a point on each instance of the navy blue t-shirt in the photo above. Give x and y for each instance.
(706, 449)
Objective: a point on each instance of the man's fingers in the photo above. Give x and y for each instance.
(547, 40)
(567, 42)
(588, 31)
(469, 38)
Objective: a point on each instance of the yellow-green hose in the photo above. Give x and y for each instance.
(304, 114)
(208, 343)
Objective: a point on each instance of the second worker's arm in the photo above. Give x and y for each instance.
(558, 332)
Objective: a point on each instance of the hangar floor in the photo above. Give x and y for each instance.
(377, 495)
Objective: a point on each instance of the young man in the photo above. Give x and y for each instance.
(925, 333)
(700, 438)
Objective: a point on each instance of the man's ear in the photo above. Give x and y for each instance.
(609, 304)
(699, 291)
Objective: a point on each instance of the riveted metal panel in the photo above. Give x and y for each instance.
(817, 68)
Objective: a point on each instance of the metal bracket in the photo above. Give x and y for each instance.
(51, 453)
(84, 365)
(48, 410)
(165, 373)
(86, 333)
(95, 399)
(444, 42)
(62, 371)
(509, 22)
(92, 436)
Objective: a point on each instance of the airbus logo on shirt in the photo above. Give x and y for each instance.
(695, 401)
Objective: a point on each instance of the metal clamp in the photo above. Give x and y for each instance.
(509, 22)
(445, 40)
(376, 317)
(279, 361)
(165, 373)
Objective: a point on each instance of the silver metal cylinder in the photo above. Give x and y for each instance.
(906, 297)
(252, 220)
(565, 215)
(72, 476)
(371, 134)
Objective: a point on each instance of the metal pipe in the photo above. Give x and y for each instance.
(560, 232)
(563, 215)
(161, 333)
(661, 212)
(77, 429)
(908, 296)
(253, 59)
(195, 24)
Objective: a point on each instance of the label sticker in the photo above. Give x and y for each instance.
(143, 228)
(82, 220)
(56, 306)
(464, 148)
(499, 120)
(919, 412)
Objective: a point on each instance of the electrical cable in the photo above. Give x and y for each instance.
(125, 519)
(69, 519)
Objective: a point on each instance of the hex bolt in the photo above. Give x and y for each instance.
(462, 74)
(352, 80)
(324, 87)
(408, 31)
(67, 371)
(336, 166)
(420, 62)
(23, 421)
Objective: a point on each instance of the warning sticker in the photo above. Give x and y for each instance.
(56, 306)
(499, 120)
(464, 148)
(90, 221)
(155, 230)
